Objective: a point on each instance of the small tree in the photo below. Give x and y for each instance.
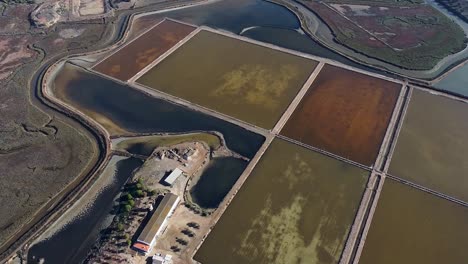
(139, 193)
(129, 197)
(129, 242)
(131, 203)
(120, 227)
(127, 208)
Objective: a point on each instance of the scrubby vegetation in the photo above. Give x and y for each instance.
(409, 34)
(13, 2)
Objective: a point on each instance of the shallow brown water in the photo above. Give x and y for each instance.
(243, 80)
(128, 61)
(346, 113)
(411, 226)
(432, 147)
(296, 207)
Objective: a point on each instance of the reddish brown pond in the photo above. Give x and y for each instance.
(128, 61)
(344, 112)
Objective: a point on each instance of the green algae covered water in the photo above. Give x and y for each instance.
(243, 80)
(297, 206)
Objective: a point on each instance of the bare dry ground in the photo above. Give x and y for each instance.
(91, 7)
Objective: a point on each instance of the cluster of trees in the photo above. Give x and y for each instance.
(132, 191)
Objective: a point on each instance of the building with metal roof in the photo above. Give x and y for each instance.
(173, 176)
(157, 223)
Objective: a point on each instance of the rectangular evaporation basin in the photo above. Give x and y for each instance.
(136, 55)
(345, 113)
(412, 226)
(432, 147)
(240, 79)
(297, 206)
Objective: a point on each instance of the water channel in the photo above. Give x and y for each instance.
(70, 239)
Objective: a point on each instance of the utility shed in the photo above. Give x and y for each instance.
(157, 223)
(173, 176)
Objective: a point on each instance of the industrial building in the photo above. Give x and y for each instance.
(173, 176)
(157, 223)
